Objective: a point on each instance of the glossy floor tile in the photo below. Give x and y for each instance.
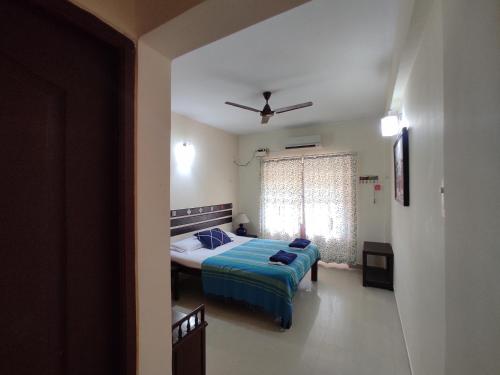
(339, 328)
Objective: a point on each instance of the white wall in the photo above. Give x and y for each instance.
(447, 267)
(153, 215)
(362, 136)
(472, 182)
(213, 178)
(418, 230)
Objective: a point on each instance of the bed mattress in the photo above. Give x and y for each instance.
(243, 273)
(194, 259)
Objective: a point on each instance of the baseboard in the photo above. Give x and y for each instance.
(404, 334)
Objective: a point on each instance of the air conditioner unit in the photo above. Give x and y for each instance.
(303, 142)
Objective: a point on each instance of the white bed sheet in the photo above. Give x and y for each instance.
(195, 258)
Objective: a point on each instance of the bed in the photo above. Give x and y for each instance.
(240, 270)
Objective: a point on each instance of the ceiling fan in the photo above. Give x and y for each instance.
(266, 112)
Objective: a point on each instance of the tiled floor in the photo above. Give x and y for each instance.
(339, 328)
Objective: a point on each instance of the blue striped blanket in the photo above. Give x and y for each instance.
(244, 274)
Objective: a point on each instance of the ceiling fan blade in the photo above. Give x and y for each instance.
(265, 119)
(292, 107)
(243, 106)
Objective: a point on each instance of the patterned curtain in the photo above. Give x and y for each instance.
(317, 191)
(281, 199)
(330, 206)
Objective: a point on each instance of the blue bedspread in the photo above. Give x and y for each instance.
(244, 274)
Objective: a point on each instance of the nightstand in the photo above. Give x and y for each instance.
(378, 277)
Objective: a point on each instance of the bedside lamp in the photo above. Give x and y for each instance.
(242, 219)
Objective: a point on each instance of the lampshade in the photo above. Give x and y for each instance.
(242, 219)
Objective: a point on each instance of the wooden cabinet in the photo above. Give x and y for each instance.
(378, 277)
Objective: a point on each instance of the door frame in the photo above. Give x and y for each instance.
(65, 11)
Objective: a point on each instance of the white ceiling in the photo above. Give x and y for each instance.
(339, 54)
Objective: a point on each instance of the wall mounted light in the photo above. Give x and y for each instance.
(390, 125)
(184, 156)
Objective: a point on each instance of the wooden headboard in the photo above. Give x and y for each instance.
(188, 220)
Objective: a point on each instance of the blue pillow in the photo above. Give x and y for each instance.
(213, 238)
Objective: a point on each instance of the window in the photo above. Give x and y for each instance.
(318, 192)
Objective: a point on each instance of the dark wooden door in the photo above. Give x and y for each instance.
(61, 261)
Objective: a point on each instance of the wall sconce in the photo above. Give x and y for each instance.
(184, 156)
(390, 125)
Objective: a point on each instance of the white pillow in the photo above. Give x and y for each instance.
(230, 234)
(188, 244)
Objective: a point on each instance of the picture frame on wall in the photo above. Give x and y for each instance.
(402, 169)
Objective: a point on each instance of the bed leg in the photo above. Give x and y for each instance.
(314, 272)
(286, 325)
(175, 282)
